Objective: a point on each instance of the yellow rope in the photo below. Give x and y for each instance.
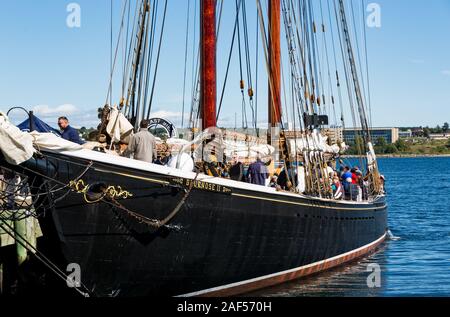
(112, 192)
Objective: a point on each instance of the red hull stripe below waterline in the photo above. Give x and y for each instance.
(286, 276)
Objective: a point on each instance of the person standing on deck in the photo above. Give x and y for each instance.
(142, 144)
(347, 182)
(236, 170)
(258, 173)
(67, 132)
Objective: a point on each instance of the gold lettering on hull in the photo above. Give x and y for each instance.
(216, 188)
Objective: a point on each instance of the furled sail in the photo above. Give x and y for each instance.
(15, 145)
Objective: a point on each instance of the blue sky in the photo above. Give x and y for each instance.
(56, 70)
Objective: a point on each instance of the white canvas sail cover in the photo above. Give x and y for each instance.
(371, 157)
(118, 126)
(251, 151)
(314, 142)
(18, 147)
(50, 141)
(15, 145)
(228, 148)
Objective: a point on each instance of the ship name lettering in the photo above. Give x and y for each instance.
(202, 185)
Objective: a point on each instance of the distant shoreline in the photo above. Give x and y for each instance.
(404, 156)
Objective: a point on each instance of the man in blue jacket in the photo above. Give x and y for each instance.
(258, 173)
(67, 132)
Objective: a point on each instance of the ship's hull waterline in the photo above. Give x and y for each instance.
(228, 238)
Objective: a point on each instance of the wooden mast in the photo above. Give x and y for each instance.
(274, 64)
(208, 92)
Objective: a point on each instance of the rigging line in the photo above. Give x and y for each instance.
(288, 13)
(143, 14)
(150, 54)
(367, 62)
(359, 53)
(39, 255)
(294, 75)
(294, 123)
(308, 57)
(249, 65)
(125, 44)
(195, 101)
(142, 79)
(115, 56)
(318, 63)
(238, 6)
(256, 79)
(296, 70)
(185, 62)
(219, 19)
(304, 102)
(196, 90)
(157, 60)
(247, 46)
(194, 70)
(131, 43)
(195, 80)
(193, 47)
(111, 52)
(341, 103)
(286, 160)
(242, 85)
(347, 64)
(328, 64)
(309, 46)
(239, 41)
(354, 73)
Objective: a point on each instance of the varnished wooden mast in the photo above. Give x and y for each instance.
(275, 64)
(208, 63)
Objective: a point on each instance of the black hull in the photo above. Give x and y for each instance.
(222, 242)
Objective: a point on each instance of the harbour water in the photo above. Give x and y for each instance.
(415, 264)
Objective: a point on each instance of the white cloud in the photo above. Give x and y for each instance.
(166, 114)
(77, 117)
(62, 110)
(445, 72)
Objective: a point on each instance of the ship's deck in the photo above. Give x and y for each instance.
(105, 158)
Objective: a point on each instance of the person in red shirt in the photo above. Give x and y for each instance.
(354, 176)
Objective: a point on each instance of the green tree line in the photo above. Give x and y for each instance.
(401, 146)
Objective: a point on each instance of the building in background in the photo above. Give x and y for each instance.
(418, 132)
(390, 135)
(440, 136)
(406, 134)
(335, 134)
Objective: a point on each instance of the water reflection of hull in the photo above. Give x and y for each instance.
(228, 238)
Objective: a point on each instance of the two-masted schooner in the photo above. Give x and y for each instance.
(136, 228)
